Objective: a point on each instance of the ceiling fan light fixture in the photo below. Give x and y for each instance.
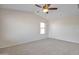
(45, 10)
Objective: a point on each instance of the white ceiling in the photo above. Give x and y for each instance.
(63, 9)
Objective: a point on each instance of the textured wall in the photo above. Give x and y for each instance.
(65, 28)
(20, 27)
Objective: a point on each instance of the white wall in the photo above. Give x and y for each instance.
(65, 28)
(20, 27)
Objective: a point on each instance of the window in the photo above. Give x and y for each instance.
(42, 28)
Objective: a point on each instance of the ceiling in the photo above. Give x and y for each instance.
(63, 9)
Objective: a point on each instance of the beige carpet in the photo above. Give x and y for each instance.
(43, 47)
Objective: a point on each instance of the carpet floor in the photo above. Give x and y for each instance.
(43, 47)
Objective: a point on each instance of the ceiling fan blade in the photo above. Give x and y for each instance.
(53, 8)
(38, 6)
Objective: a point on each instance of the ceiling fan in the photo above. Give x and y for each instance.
(45, 7)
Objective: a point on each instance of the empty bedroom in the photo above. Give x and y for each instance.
(39, 29)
